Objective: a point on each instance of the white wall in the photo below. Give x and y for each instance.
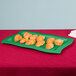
(37, 14)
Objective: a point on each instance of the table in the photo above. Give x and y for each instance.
(17, 61)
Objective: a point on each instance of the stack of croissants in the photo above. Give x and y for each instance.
(38, 41)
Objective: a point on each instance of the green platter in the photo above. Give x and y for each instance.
(56, 49)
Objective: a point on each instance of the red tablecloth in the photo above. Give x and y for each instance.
(17, 61)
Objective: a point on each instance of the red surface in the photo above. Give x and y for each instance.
(23, 59)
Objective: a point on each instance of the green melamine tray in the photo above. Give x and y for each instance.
(56, 49)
